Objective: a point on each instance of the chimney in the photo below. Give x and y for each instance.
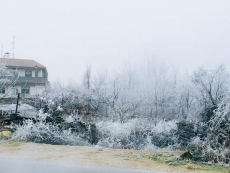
(7, 55)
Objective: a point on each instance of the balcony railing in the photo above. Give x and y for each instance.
(32, 79)
(22, 79)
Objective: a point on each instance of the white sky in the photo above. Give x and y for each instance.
(67, 35)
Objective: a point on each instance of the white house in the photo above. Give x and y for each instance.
(30, 77)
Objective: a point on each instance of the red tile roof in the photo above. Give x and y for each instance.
(20, 63)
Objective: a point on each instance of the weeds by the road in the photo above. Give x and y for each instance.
(173, 160)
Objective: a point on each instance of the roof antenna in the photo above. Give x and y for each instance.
(13, 46)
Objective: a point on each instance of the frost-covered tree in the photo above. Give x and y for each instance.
(8, 78)
(187, 98)
(212, 85)
(124, 96)
(161, 87)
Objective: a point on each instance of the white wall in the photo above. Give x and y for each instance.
(34, 90)
(40, 89)
(21, 73)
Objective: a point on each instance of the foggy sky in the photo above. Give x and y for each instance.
(66, 36)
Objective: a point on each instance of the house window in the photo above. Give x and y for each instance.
(40, 73)
(2, 91)
(28, 73)
(25, 90)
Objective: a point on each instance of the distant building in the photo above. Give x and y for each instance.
(31, 78)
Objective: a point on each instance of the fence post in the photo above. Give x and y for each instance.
(16, 111)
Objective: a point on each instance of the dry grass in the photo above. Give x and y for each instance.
(5, 134)
(98, 156)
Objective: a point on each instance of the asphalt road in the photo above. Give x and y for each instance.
(28, 166)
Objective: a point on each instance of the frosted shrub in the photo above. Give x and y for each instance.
(22, 131)
(196, 141)
(164, 127)
(218, 139)
(42, 116)
(43, 132)
(70, 118)
(215, 146)
(114, 134)
(163, 134)
(59, 108)
(136, 134)
(149, 145)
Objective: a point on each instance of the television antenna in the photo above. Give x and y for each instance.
(13, 45)
(1, 51)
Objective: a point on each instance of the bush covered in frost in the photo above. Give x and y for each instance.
(217, 144)
(134, 134)
(46, 132)
(211, 140)
(137, 134)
